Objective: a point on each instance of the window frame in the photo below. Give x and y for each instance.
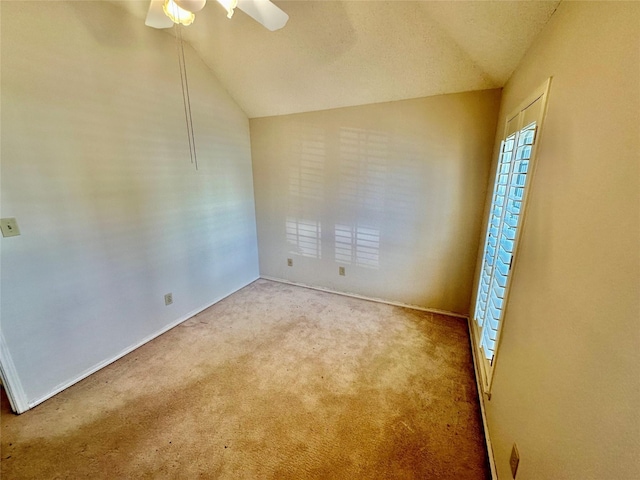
(486, 367)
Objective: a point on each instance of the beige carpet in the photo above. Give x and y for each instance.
(274, 382)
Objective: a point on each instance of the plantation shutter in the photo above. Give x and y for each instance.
(504, 221)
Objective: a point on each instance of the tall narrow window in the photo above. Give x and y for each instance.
(504, 224)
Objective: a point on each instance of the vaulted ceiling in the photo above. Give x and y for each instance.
(342, 53)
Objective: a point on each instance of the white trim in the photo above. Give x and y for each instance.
(370, 299)
(542, 92)
(130, 349)
(11, 380)
(481, 399)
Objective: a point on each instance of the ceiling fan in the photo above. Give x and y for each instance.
(167, 13)
(164, 13)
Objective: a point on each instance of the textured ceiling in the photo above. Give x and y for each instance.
(341, 53)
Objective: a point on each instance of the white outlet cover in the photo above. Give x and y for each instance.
(9, 227)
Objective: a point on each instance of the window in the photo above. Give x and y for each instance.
(511, 185)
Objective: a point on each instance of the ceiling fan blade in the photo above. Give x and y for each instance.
(264, 12)
(156, 17)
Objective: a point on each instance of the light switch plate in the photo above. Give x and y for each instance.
(9, 227)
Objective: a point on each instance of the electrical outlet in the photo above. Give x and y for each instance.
(9, 227)
(341, 271)
(514, 461)
(289, 262)
(168, 299)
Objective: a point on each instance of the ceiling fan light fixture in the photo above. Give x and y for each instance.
(192, 6)
(177, 14)
(229, 5)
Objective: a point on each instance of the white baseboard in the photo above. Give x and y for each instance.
(363, 297)
(481, 399)
(124, 352)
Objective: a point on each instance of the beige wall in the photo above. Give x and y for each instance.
(566, 385)
(393, 192)
(95, 167)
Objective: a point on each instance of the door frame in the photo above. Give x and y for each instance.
(11, 381)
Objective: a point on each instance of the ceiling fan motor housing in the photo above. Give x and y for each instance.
(192, 6)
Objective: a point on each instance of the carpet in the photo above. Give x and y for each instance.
(274, 382)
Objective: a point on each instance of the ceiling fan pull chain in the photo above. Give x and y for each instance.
(184, 101)
(186, 84)
(185, 96)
